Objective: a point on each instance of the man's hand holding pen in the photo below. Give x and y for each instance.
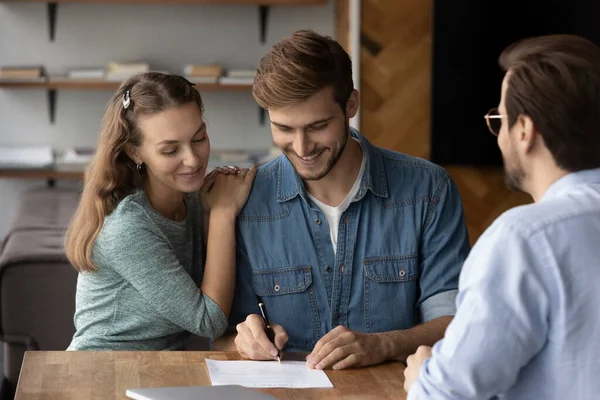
(252, 341)
(270, 333)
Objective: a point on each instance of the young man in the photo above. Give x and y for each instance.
(527, 324)
(354, 250)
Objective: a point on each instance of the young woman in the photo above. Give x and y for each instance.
(138, 236)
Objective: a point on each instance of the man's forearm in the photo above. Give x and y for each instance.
(398, 345)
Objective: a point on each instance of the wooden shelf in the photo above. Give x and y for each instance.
(52, 86)
(50, 175)
(77, 84)
(246, 2)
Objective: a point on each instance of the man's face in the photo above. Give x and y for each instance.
(514, 173)
(312, 134)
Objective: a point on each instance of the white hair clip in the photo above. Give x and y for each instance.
(126, 100)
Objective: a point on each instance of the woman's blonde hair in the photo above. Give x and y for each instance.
(112, 175)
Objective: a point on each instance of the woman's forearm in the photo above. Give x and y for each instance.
(219, 271)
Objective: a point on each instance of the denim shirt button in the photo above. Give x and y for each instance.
(328, 268)
(318, 221)
(276, 288)
(402, 273)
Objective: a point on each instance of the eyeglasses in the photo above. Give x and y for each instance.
(494, 121)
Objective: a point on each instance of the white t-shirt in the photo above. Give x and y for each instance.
(333, 214)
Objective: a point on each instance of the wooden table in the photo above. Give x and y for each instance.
(54, 375)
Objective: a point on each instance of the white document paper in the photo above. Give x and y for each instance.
(266, 374)
(26, 157)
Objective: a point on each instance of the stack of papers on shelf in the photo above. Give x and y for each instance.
(87, 73)
(239, 77)
(74, 160)
(26, 157)
(79, 75)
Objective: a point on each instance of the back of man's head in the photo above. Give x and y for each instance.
(299, 66)
(555, 80)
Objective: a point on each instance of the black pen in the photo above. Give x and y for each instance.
(270, 332)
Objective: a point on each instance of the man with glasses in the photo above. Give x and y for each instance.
(527, 324)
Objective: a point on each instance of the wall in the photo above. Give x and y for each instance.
(166, 35)
(395, 94)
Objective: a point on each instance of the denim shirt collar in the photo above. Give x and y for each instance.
(290, 184)
(587, 176)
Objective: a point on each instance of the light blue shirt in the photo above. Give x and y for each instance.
(528, 318)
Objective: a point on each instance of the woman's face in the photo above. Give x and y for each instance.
(175, 148)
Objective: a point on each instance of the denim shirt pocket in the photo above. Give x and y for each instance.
(290, 301)
(391, 290)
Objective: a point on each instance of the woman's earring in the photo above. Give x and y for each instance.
(139, 166)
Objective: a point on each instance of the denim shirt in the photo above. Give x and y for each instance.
(401, 244)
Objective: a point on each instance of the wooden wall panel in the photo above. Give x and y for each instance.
(395, 95)
(342, 23)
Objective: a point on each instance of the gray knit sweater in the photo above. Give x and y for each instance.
(145, 293)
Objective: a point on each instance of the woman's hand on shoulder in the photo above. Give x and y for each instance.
(226, 189)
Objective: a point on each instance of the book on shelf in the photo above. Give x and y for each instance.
(26, 157)
(25, 73)
(120, 71)
(203, 70)
(206, 73)
(133, 67)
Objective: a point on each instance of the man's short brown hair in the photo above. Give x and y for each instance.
(555, 80)
(299, 66)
